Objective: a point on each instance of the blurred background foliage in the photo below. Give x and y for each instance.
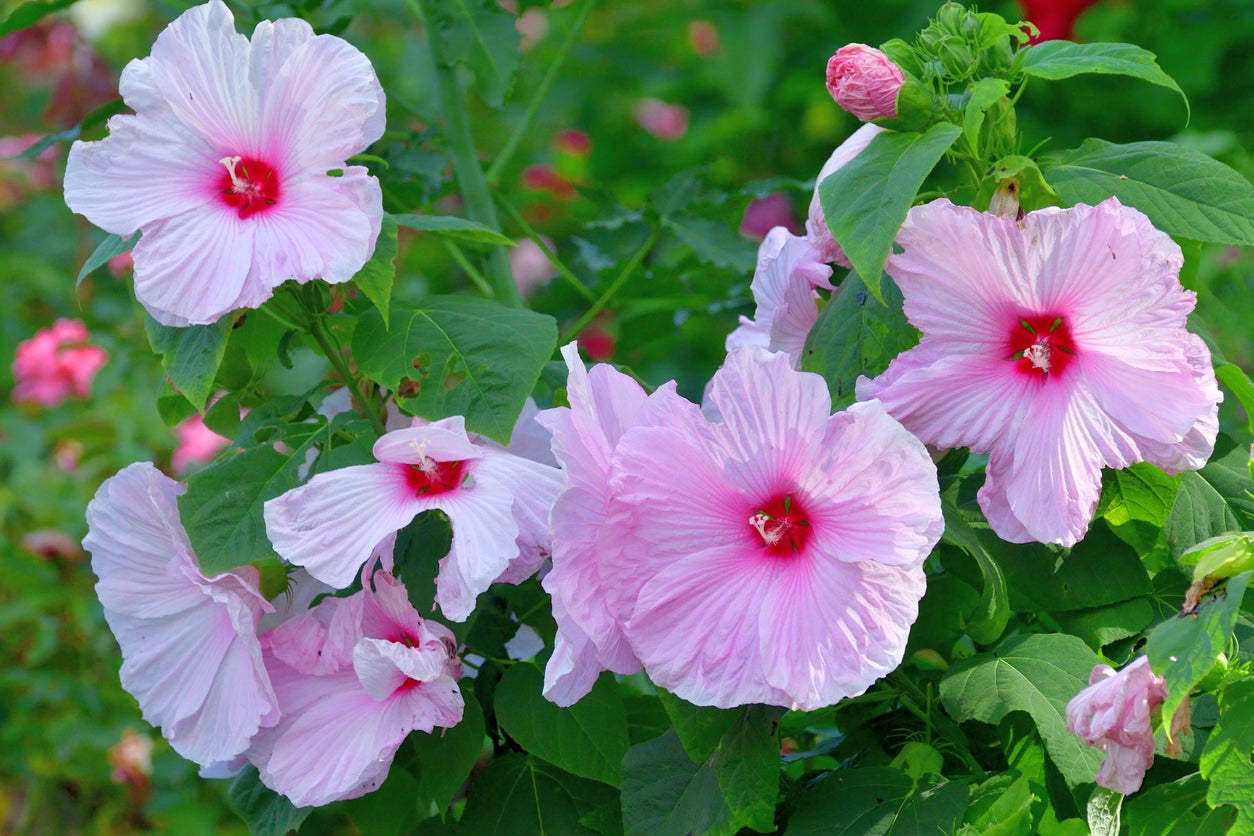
(670, 118)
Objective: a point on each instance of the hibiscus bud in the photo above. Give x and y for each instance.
(864, 82)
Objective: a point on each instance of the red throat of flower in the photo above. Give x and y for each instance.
(248, 185)
(429, 477)
(782, 525)
(1041, 346)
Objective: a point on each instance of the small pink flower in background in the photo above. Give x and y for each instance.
(531, 267)
(1057, 345)
(197, 444)
(864, 82)
(575, 143)
(703, 37)
(816, 224)
(131, 762)
(223, 166)
(55, 364)
(67, 454)
(667, 122)
(497, 503)
(541, 177)
(533, 25)
(596, 340)
(121, 264)
(190, 651)
(789, 269)
(21, 175)
(50, 543)
(51, 53)
(1115, 714)
(354, 676)
(765, 213)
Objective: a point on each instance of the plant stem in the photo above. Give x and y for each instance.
(334, 352)
(623, 275)
(506, 154)
(564, 271)
(472, 272)
(470, 179)
(946, 727)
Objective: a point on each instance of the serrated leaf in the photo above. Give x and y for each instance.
(520, 796)
(1184, 192)
(1055, 60)
(1226, 758)
(866, 200)
(587, 739)
(266, 812)
(110, 247)
(666, 794)
(449, 226)
(481, 36)
(856, 335)
(1038, 674)
(1184, 648)
(28, 14)
(984, 93)
(1212, 501)
(191, 356)
(457, 355)
(878, 800)
(375, 279)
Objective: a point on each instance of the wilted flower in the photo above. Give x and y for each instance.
(864, 82)
(55, 364)
(233, 165)
(816, 225)
(1057, 345)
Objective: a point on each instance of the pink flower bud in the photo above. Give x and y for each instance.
(864, 82)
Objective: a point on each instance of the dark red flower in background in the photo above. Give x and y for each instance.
(1055, 18)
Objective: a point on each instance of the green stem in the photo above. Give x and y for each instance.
(562, 269)
(466, 166)
(506, 154)
(475, 276)
(948, 728)
(623, 275)
(334, 352)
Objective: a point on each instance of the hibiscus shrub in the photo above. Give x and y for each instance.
(491, 518)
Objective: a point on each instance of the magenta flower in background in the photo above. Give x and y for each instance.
(497, 503)
(197, 444)
(1115, 714)
(55, 364)
(765, 213)
(1057, 345)
(190, 651)
(774, 557)
(816, 224)
(354, 676)
(864, 82)
(789, 269)
(665, 121)
(224, 164)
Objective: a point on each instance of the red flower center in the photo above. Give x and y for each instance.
(429, 477)
(782, 525)
(1041, 346)
(248, 185)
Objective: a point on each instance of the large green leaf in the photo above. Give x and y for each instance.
(666, 794)
(520, 796)
(266, 812)
(856, 335)
(1055, 60)
(1212, 501)
(1184, 192)
(481, 36)
(1225, 760)
(700, 728)
(1177, 808)
(587, 739)
(450, 226)
(457, 355)
(191, 356)
(876, 800)
(28, 14)
(1140, 493)
(995, 610)
(1183, 649)
(747, 767)
(1038, 674)
(375, 279)
(866, 200)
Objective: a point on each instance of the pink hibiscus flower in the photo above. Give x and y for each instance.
(354, 676)
(497, 503)
(1057, 345)
(233, 165)
(190, 651)
(773, 557)
(864, 82)
(789, 269)
(55, 364)
(816, 225)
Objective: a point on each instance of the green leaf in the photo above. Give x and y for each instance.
(747, 766)
(1141, 493)
(447, 756)
(375, 279)
(1054, 60)
(449, 226)
(222, 509)
(995, 599)
(700, 728)
(587, 739)
(96, 117)
(111, 246)
(266, 812)
(666, 794)
(866, 200)
(1225, 760)
(1184, 192)
(520, 796)
(1177, 808)
(191, 356)
(1183, 649)
(457, 355)
(1239, 384)
(1100, 626)
(1103, 812)
(392, 809)
(1212, 501)
(876, 800)
(855, 335)
(481, 36)
(1002, 806)
(713, 242)
(28, 14)
(1038, 674)
(984, 93)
